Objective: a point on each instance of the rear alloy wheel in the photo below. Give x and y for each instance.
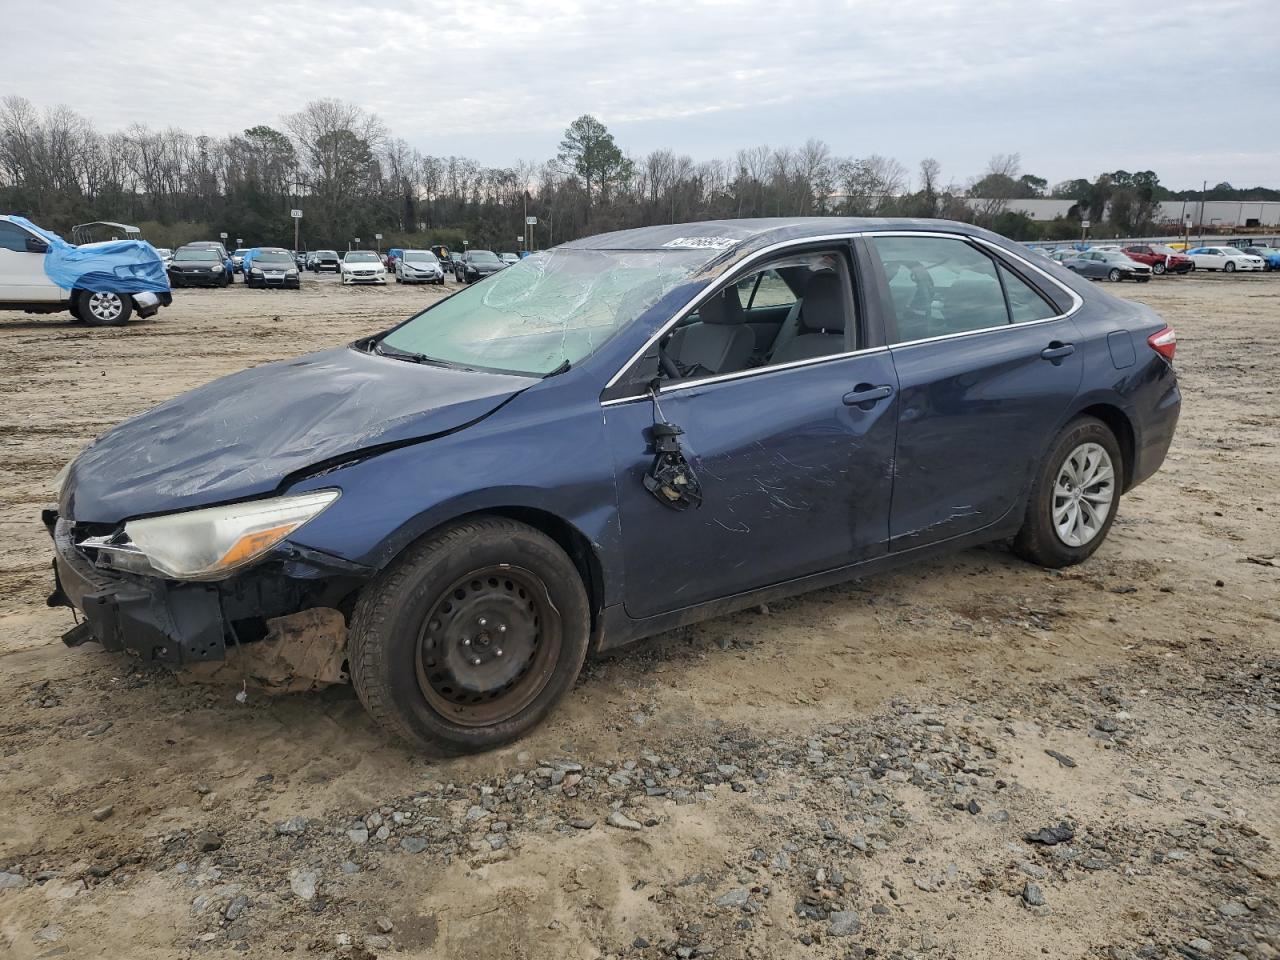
(471, 637)
(1074, 497)
(1114, 275)
(105, 309)
(1157, 268)
(1229, 266)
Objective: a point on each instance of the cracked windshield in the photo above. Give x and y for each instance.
(545, 311)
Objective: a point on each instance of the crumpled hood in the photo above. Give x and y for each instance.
(240, 436)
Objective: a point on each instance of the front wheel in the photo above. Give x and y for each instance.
(471, 637)
(1114, 275)
(1229, 266)
(1157, 268)
(1074, 497)
(105, 309)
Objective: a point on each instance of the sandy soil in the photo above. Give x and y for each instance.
(853, 773)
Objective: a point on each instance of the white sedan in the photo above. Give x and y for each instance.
(363, 266)
(1227, 259)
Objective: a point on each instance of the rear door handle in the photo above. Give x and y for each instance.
(1057, 351)
(864, 393)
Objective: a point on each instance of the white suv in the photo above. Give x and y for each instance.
(24, 284)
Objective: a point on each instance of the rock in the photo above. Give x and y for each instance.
(349, 867)
(49, 934)
(622, 821)
(640, 943)
(99, 729)
(236, 908)
(926, 885)
(735, 898)
(12, 881)
(1033, 870)
(475, 813)
(1105, 724)
(303, 884)
(292, 827)
(1062, 758)
(413, 844)
(1032, 894)
(384, 832)
(207, 841)
(1233, 908)
(358, 835)
(584, 823)
(103, 812)
(1052, 836)
(384, 924)
(844, 923)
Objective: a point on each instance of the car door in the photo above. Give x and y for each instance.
(986, 371)
(793, 458)
(22, 275)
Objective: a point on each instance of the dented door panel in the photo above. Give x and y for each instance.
(793, 481)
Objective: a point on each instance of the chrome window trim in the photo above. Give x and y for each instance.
(1076, 303)
(749, 372)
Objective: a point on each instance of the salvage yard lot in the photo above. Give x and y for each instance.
(857, 769)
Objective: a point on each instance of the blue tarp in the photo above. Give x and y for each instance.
(119, 266)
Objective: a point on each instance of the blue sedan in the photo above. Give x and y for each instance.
(624, 434)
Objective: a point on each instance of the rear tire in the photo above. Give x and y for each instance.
(105, 309)
(1067, 496)
(427, 637)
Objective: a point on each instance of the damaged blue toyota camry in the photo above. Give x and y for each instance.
(624, 434)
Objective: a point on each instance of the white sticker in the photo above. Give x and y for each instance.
(712, 243)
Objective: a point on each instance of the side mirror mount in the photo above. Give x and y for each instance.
(37, 245)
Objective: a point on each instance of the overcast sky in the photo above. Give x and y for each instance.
(1188, 89)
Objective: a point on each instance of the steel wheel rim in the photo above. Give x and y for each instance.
(488, 646)
(1083, 493)
(105, 306)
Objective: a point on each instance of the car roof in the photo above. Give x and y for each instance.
(730, 239)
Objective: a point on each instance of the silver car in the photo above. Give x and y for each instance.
(1107, 265)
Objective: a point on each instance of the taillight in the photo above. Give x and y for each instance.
(1164, 342)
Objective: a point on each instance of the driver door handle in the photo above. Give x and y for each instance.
(864, 393)
(1057, 351)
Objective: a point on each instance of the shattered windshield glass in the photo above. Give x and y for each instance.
(547, 310)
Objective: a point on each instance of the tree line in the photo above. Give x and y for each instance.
(352, 178)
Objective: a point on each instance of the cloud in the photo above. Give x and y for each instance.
(1071, 84)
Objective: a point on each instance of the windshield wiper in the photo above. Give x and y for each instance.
(382, 348)
(563, 368)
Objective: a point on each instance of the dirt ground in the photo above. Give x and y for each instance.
(861, 772)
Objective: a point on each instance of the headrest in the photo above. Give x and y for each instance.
(723, 307)
(823, 306)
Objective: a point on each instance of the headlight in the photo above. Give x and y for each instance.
(291, 273)
(255, 270)
(212, 543)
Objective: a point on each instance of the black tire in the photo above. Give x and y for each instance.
(1157, 268)
(225, 281)
(411, 625)
(105, 309)
(1229, 266)
(1038, 541)
(1114, 275)
(73, 307)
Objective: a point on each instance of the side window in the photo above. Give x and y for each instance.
(12, 237)
(796, 308)
(940, 286)
(1025, 302)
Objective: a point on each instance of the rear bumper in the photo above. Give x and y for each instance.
(154, 620)
(1157, 433)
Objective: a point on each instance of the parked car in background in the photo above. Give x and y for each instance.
(300, 259)
(270, 267)
(446, 507)
(509, 258)
(476, 265)
(327, 260)
(363, 266)
(1226, 259)
(100, 283)
(1270, 256)
(393, 254)
(166, 254)
(1107, 265)
(198, 266)
(237, 258)
(418, 266)
(1159, 258)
